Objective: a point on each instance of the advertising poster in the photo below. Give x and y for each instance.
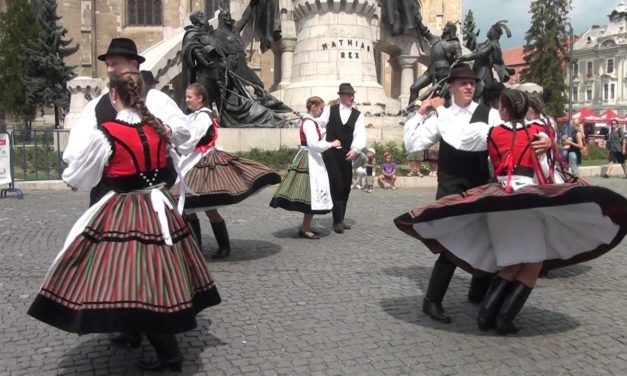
(5, 159)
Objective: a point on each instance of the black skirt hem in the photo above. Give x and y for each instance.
(283, 203)
(209, 200)
(116, 320)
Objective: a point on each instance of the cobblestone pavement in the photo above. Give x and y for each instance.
(344, 304)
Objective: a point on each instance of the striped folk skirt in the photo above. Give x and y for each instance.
(486, 228)
(294, 193)
(118, 275)
(221, 179)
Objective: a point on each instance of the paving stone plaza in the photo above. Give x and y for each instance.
(344, 304)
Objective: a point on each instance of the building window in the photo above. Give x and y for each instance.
(575, 69)
(145, 13)
(588, 94)
(610, 66)
(211, 6)
(609, 91)
(575, 96)
(589, 69)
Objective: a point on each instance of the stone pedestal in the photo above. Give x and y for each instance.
(334, 44)
(407, 66)
(82, 90)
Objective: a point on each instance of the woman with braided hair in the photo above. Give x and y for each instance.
(130, 263)
(521, 223)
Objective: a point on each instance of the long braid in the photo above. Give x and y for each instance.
(129, 86)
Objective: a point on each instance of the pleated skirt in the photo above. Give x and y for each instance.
(294, 192)
(221, 179)
(486, 228)
(118, 275)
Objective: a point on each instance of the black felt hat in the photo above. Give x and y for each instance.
(346, 88)
(148, 77)
(461, 71)
(122, 46)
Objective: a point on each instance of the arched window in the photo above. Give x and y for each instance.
(145, 12)
(211, 6)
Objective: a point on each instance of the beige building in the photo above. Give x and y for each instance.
(92, 24)
(600, 70)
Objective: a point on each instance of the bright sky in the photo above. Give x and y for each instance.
(585, 13)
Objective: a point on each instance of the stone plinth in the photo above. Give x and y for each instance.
(82, 90)
(334, 44)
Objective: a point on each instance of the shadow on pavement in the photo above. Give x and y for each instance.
(96, 354)
(533, 320)
(242, 250)
(324, 226)
(569, 271)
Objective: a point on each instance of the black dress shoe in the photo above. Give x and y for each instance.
(159, 364)
(221, 253)
(133, 340)
(346, 227)
(339, 228)
(435, 311)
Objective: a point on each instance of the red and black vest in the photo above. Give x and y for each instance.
(303, 138)
(139, 156)
(501, 144)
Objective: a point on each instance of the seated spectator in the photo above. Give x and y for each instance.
(388, 178)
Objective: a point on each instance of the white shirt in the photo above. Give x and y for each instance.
(158, 103)
(359, 134)
(198, 123)
(85, 168)
(315, 143)
(451, 125)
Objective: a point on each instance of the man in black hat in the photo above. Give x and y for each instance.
(346, 124)
(122, 52)
(462, 164)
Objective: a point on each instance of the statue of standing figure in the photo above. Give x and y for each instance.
(488, 56)
(216, 58)
(445, 50)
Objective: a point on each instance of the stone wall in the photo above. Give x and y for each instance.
(245, 139)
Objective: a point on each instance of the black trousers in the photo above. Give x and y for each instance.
(340, 173)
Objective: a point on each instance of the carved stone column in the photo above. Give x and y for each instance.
(82, 90)
(407, 64)
(287, 58)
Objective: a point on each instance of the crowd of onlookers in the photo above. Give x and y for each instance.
(367, 171)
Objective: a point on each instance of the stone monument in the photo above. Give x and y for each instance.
(332, 42)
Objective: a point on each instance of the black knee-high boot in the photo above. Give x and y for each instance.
(194, 225)
(337, 217)
(441, 276)
(479, 284)
(515, 300)
(492, 303)
(222, 237)
(168, 354)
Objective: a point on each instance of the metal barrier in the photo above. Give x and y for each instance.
(38, 153)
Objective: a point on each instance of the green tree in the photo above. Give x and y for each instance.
(46, 82)
(546, 50)
(18, 28)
